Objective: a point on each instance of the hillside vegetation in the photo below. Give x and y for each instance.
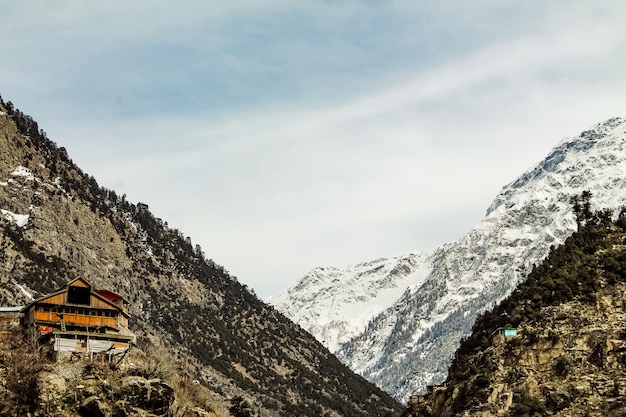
(569, 355)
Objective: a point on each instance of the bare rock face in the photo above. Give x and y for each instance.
(198, 412)
(151, 395)
(571, 361)
(50, 386)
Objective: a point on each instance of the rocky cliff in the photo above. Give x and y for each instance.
(36, 384)
(56, 223)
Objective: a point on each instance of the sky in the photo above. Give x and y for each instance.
(281, 135)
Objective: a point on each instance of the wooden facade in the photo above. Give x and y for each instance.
(81, 319)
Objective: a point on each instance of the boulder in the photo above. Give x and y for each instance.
(152, 395)
(94, 407)
(50, 386)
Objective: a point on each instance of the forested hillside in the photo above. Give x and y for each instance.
(569, 351)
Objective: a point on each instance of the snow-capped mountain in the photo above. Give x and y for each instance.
(336, 305)
(410, 341)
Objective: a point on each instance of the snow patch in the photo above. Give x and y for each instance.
(24, 291)
(24, 172)
(19, 219)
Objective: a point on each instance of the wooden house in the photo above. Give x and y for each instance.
(78, 318)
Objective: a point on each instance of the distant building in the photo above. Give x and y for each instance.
(10, 321)
(10, 317)
(78, 318)
(509, 332)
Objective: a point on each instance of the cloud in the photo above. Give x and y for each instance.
(286, 135)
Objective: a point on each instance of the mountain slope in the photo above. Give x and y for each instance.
(56, 223)
(570, 346)
(410, 343)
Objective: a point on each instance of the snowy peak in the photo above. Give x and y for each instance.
(410, 341)
(336, 304)
(600, 147)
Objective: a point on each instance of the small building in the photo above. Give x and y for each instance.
(10, 321)
(10, 317)
(509, 332)
(78, 318)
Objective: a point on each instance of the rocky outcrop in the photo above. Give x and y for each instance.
(571, 363)
(77, 385)
(94, 406)
(152, 395)
(134, 396)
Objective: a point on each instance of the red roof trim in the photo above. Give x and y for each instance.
(109, 295)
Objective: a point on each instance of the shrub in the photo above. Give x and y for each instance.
(562, 366)
(240, 408)
(528, 406)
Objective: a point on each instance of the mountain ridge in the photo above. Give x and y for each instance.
(410, 343)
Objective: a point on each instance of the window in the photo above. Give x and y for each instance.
(78, 295)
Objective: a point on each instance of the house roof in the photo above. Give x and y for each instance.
(86, 285)
(81, 280)
(11, 309)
